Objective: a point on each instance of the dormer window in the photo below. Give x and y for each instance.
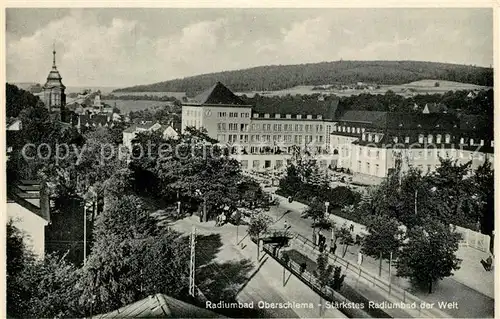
(369, 137)
(481, 142)
(267, 115)
(447, 138)
(421, 138)
(348, 130)
(376, 138)
(429, 138)
(343, 128)
(438, 138)
(407, 139)
(277, 116)
(289, 116)
(358, 130)
(309, 117)
(471, 141)
(256, 115)
(400, 124)
(299, 116)
(362, 130)
(363, 137)
(462, 140)
(320, 117)
(395, 139)
(437, 125)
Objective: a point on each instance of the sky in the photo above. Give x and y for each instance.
(123, 47)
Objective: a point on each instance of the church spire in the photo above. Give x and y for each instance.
(54, 55)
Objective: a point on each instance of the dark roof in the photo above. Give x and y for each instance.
(21, 191)
(160, 306)
(421, 121)
(97, 119)
(363, 117)
(218, 94)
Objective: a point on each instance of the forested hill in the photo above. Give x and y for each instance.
(277, 77)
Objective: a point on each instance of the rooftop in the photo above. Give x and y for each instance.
(160, 306)
(217, 94)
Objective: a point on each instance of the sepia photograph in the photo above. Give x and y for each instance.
(249, 162)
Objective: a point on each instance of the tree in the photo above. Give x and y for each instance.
(259, 223)
(338, 279)
(429, 253)
(345, 238)
(484, 180)
(315, 210)
(36, 287)
(383, 239)
(323, 271)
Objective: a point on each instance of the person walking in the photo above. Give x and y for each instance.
(333, 248)
(351, 228)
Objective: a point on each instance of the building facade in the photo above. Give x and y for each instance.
(364, 142)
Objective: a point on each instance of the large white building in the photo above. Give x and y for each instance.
(364, 142)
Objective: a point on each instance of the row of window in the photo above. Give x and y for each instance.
(368, 168)
(234, 114)
(288, 127)
(429, 139)
(194, 113)
(297, 139)
(350, 129)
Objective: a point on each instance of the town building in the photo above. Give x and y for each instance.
(53, 92)
(367, 143)
(28, 208)
(260, 141)
(129, 134)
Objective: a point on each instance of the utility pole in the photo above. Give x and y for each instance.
(191, 265)
(84, 233)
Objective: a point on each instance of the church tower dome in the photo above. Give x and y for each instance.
(53, 95)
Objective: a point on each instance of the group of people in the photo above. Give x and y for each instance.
(220, 220)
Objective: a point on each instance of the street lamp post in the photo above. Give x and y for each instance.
(326, 209)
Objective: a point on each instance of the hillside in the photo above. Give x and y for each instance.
(278, 77)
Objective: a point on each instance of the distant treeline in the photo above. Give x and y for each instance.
(458, 101)
(278, 77)
(141, 98)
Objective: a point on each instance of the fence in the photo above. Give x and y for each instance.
(392, 291)
(310, 280)
(474, 239)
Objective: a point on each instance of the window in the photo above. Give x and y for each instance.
(481, 142)
(407, 139)
(219, 126)
(447, 138)
(421, 138)
(256, 164)
(343, 128)
(429, 138)
(244, 164)
(395, 139)
(367, 167)
(257, 138)
(362, 129)
(376, 138)
(279, 127)
(358, 130)
(221, 137)
(369, 137)
(363, 137)
(348, 130)
(376, 169)
(438, 138)
(471, 141)
(338, 128)
(267, 164)
(321, 139)
(462, 140)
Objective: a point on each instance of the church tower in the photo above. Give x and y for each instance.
(53, 95)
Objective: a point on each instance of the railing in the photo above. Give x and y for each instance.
(391, 290)
(311, 281)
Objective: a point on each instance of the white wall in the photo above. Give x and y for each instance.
(31, 224)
